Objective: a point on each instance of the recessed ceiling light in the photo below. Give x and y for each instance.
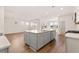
(61, 8)
(27, 23)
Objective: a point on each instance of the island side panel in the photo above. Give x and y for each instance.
(27, 38)
(43, 39)
(40, 40)
(33, 40)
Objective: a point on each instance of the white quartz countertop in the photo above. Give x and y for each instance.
(4, 43)
(37, 31)
(72, 35)
(33, 31)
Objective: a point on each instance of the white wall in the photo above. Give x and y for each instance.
(77, 25)
(26, 14)
(69, 22)
(1, 19)
(11, 27)
(13, 14)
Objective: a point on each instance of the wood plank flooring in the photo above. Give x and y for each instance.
(18, 46)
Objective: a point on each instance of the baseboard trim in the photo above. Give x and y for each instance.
(14, 33)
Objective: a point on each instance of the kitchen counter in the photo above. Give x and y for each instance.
(72, 31)
(72, 35)
(34, 31)
(39, 31)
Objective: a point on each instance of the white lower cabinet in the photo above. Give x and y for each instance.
(72, 43)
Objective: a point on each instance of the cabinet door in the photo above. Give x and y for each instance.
(46, 37)
(33, 40)
(40, 40)
(72, 45)
(27, 38)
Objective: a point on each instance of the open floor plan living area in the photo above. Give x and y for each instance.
(39, 29)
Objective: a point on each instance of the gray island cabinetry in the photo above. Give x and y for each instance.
(37, 39)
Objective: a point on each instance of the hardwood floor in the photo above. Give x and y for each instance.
(18, 46)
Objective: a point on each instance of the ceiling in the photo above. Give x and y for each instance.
(36, 12)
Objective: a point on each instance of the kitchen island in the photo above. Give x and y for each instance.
(37, 39)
